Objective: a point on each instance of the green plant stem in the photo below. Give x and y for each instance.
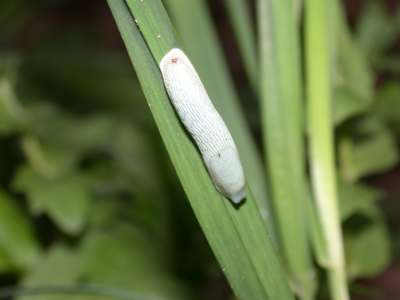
(155, 25)
(318, 59)
(282, 116)
(207, 56)
(237, 235)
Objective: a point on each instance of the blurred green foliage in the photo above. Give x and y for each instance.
(366, 118)
(87, 193)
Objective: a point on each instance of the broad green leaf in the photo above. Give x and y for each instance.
(358, 152)
(357, 199)
(237, 235)
(282, 115)
(367, 242)
(376, 30)
(17, 240)
(49, 160)
(352, 76)
(11, 114)
(387, 104)
(353, 72)
(129, 145)
(137, 267)
(129, 263)
(347, 105)
(133, 151)
(65, 198)
(79, 134)
(5, 262)
(58, 266)
(118, 193)
(368, 250)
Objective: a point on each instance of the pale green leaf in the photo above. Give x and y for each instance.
(357, 199)
(376, 30)
(352, 75)
(64, 198)
(11, 113)
(347, 105)
(368, 250)
(137, 267)
(359, 151)
(5, 262)
(17, 239)
(129, 262)
(387, 104)
(60, 260)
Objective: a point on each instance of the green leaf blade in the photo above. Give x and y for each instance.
(222, 223)
(18, 244)
(319, 51)
(281, 98)
(207, 57)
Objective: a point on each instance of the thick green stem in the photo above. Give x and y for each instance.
(282, 116)
(318, 57)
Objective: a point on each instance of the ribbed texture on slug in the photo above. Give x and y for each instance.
(203, 122)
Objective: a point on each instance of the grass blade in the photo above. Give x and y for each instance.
(236, 235)
(207, 57)
(155, 26)
(281, 96)
(239, 13)
(319, 93)
(316, 233)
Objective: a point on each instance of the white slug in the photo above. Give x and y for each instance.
(203, 122)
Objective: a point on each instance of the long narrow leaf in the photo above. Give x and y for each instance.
(281, 95)
(319, 93)
(155, 26)
(236, 235)
(207, 56)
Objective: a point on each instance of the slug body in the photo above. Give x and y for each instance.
(203, 122)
